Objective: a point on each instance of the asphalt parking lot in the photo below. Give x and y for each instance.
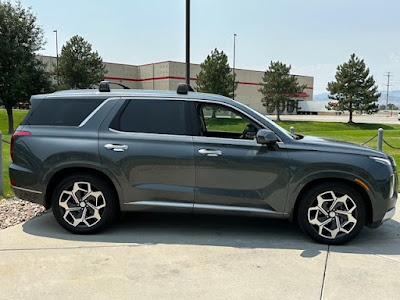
(164, 256)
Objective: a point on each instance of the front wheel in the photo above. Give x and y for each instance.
(331, 213)
(84, 203)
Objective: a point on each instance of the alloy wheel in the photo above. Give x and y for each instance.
(82, 205)
(332, 214)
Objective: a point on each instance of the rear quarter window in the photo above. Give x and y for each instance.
(62, 112)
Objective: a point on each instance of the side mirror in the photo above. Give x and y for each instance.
(267, 137)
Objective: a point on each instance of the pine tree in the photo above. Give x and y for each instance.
(279, 87)
(215, 76)
(354, 89)
(78, 66)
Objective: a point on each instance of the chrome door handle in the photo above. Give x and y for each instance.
(116, 148)
(210, 152)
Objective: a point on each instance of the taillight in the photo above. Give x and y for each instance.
(14, 136)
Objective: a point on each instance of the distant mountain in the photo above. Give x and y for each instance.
(322, 97)
(394, 97)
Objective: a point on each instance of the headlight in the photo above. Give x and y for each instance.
(384, 161)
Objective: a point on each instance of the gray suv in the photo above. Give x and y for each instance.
(90, 154)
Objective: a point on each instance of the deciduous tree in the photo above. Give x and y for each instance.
(21, 74)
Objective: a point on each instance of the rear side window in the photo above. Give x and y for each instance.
(153, 116)
(62, 112)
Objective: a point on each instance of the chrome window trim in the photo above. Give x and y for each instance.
(94, 112)
(149, 134)
(241, 111)
(280, 141)
(25, 190)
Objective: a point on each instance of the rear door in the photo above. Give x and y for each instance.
(147, 145)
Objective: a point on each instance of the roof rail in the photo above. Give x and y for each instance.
(121, 85)
(104, 86)
(184, 88)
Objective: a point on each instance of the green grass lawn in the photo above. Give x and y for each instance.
(18, 116)
(356, 133)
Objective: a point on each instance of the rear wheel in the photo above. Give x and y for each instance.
(84, 203)
(331, 213)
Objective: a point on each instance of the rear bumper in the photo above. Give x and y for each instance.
(29, 195)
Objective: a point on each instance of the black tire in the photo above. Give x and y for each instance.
(308, 212)
(91, 223)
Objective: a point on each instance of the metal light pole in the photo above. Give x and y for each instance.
(56, 32)
(187, 41)
(233, 69)
(56, 45)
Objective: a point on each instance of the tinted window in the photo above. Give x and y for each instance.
(153, 116)
(62, 112)
(224, 122)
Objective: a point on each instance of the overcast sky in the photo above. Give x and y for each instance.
(314, 36)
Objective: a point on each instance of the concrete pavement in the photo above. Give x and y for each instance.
(153, 256)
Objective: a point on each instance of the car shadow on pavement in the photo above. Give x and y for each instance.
(216, 230)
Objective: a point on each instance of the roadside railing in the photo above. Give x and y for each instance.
(379, 135)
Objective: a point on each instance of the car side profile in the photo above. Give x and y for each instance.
(90, 154)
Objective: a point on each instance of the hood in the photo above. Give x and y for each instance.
(329, 145)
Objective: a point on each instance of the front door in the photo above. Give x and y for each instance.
(149, 149)
(233, 171)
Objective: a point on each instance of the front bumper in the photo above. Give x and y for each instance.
(389, 214)
(29, 195)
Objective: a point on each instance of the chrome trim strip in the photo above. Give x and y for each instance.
(25, 190)
(389, 214)
(162, 203)
(161, 136)
(236, 208)
(206, 206)
(94, 112)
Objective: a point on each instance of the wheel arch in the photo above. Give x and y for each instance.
(75, 170)
(353, 184)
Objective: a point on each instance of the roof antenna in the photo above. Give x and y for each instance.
(184, 88)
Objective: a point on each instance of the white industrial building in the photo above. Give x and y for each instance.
(167, 75)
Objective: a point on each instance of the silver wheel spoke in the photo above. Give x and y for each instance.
(332, 215)
(81, 205)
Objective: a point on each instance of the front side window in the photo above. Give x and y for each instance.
(153, 116)
(224, 122)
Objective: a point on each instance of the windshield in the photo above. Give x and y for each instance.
(268, 121)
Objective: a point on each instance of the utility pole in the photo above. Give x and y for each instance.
(187, 41)
(387, 91)
(233, 69)
(56, 32)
